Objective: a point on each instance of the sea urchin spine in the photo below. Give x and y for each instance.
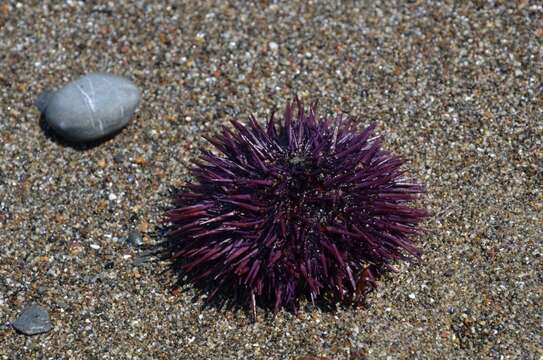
(308, 207)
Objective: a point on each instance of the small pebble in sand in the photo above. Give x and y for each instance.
(134, 238)
(33, 320)
(91, 107)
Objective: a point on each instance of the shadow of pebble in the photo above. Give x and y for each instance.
(80, 146)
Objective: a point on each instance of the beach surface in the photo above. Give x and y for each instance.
(456, 88)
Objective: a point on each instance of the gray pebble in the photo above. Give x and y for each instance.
(118, 158)
(33, 320)
(134, 238)
(91, 107)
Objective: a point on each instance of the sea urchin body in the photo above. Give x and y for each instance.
(308, 208)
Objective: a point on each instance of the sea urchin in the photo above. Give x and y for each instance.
(305, 208)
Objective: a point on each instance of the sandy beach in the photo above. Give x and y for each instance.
(456, 88)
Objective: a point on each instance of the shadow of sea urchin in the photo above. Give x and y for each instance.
(308, 207)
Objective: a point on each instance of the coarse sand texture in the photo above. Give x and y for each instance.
(455, 87)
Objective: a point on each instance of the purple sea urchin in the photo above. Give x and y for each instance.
(308, 207)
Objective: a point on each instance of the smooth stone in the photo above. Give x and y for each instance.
(91, 107)
(33, 320)
(134, 238)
